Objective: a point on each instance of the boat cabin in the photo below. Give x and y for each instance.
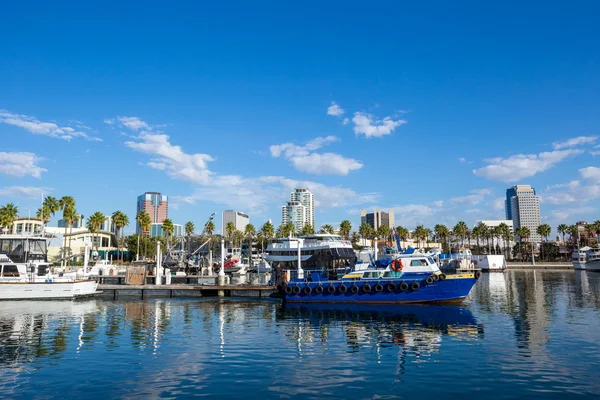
(21, 249)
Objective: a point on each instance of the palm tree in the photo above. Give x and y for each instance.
(268, 230)
(402, 232)
(143, 219)
(94, 223)
(595, 228)
(287, 229)
(460, 230)
(249, 234)
(327, 229)
(8, 214)
(544, 231)
(120, 220)
(43, 214)
(441, 232)
(189, 229)
(307, 229)
(237, 238)
(345, 228)
(420, 234)
(573, 231)
(476, 232)
(366, 231)
(383, 232)
(67, 205)
(209, 228)
(505, 234)
(562, 229)
(496, 233)
(168, 228)
(229, 229)
(523, 233)
(70, 216)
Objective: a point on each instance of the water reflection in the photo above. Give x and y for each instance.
(523, 325)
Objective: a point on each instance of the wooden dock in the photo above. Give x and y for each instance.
(182, 290)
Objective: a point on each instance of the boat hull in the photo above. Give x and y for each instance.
(46, 290)
(593, 266)
(452, 289)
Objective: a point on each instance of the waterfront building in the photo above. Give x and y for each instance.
(523, 208)
(294, 212)
(307, 199)
(27, 226)
(76, 239)
(157, 230)
(377, 218)
(239, 219)
(156, 205)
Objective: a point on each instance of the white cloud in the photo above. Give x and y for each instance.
(563, 214)
(335, 110)
(437, 203)
(37, 127)
(369, 126)
(462, 160)
(19, 164)
(595, 153)
(477, 196)
(109, 121)
(521, 166)
(254, 194)
(24, 191)
(410, 215)
(572, 142)
(303, 160)
(575, 191)
(499, 204)
(171, 158)
(133, 123)
(591, 173)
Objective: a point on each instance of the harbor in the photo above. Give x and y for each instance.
(517, 326)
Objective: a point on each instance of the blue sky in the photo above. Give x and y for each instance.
(428, 108)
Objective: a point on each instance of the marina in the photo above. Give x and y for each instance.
(520, 327)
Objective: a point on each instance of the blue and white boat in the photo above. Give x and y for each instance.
(408, 278)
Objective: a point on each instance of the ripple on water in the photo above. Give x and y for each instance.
(519, 334)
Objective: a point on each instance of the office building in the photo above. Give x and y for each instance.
(294, 212)
(79, 223)
(523, 208)
(157, 230)
(239, 219)
(307, 199)
(156, 205)
(377, 218)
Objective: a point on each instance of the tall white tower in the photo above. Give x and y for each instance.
(307, 199)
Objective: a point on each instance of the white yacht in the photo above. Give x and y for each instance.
(586, 258)
(25, 272)
(317, 251)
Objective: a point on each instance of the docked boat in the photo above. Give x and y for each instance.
(579, 258)
(586, 258)
(317, 251)
(409, 278)
(25, 272)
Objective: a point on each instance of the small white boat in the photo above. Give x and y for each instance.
(593, 260)
(579, 258)
(26, 274)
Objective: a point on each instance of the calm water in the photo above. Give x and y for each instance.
(520, 334)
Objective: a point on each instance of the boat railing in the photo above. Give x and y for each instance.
(310, 244)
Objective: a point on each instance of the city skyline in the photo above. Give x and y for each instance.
(437, 136)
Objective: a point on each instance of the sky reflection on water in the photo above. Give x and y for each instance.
(519, 334)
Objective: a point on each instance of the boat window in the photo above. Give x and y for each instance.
(42, 270)
(431, 260)
(37, 246)
(5, 245)
(10, 270)
(417, 263)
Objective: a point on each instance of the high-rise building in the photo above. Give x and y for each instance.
(294, 212)
(307, 199)
(157, 230)
(377, 218)
(239, 219)
(523, 208)
(78, 223)
(156, 205)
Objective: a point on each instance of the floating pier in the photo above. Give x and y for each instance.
(178, 290)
